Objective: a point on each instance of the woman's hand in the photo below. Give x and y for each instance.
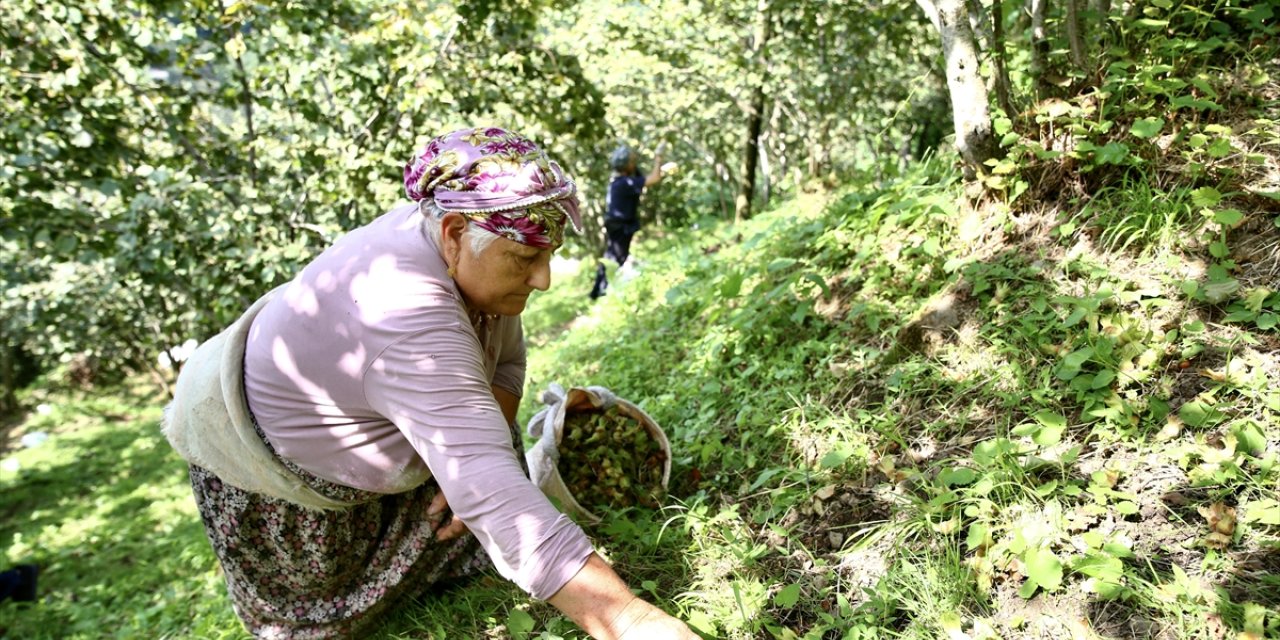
(599, 602)
(643, 621)
(435, 515)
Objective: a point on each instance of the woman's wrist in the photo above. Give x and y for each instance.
(627, 616)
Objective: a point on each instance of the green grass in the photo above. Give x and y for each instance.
(883, 426)
(103, 506)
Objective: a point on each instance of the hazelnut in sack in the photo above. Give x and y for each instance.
(596, 450)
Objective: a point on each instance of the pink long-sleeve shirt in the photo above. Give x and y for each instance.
(366, 371)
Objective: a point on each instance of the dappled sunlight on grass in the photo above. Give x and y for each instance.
(104, 508)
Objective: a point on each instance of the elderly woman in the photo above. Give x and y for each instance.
(331, 429)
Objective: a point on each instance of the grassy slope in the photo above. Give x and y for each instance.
(894, 416)
(888, 411)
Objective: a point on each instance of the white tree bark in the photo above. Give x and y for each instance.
(970, 104)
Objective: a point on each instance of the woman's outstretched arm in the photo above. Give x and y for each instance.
(600, 602)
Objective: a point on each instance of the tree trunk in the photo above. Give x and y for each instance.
(1039, 49)
(8, 382)
(755, 116)
(1074, 38)
(1001, 61)
(970, 105)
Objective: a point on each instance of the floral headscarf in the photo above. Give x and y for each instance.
(500, 180)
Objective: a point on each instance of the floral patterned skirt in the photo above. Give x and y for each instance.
(294, 572)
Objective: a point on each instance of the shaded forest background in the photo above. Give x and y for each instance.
(967, 312)
(163, 163)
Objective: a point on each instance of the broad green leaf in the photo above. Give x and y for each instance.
(1126, 508)
(1104, 379)
(1044, 567)
(1078, 357)
(787, 596)
(957, 476)
(1146, 128)
(1228, 217)
(1026, 429)
(836, 457)
(778, 264)
(977, 537)
(1101, 566)
(1050, 418)
(1220, 290)
(1250, 438)
(1265, 511)
(1049, 436)
(1112, 153)
(519, 623)
(1107, 590)
(732, 285)
(1220, 148)
(702, 623)
(1197, 413)
(1206, 197)
(1256, 298)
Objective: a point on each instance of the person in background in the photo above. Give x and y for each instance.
(19, 583)
(622, 207)
(351, 439)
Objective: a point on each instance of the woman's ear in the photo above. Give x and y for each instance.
(453, 226)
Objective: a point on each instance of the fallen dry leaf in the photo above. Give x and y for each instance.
(1222, 524)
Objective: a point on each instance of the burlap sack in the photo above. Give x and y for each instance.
(548, 427)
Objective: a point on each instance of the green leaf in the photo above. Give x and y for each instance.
(1100, 566)
(1126, 508)
(519, 623)
(1249, 438)
(1026, 429)
(835, 458)
(1268, 321)
(1108, 590)
(1078, 357)
(787, 596)
(1220, 148)
(702, 623)
(1220, 290)
(957, 476)
(1104, 379)
(1197, 413)
(1043, 567)
(732, 285)
(778, 264)
(1194, 103)
(977, 537)
(1256, 298)
(817, 280)
(1049, 436)
(1112, 153)
(1265, 511)
(1050, 418)
(1228, 217)
(1146, 128)
(1118, 550)
(1206, 197)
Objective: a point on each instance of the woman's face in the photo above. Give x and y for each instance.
(499, 279)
